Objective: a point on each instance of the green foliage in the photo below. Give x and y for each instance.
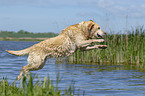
(23, 33)
(122, 48)
(28, 88)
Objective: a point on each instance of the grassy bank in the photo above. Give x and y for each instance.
(122, 48)
(40, 88)
(25, 36)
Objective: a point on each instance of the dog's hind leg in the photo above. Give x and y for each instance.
(35, 62)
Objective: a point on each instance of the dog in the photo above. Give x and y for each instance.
(78, 36)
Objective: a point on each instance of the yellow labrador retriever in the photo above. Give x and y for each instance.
(78, 36)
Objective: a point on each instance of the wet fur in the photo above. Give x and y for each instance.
(74, 37)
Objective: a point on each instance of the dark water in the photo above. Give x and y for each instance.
(95, 80)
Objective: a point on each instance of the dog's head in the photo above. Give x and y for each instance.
(94, 30)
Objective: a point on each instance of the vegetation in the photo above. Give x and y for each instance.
(27, 88)
(122, 48)
(24, 35)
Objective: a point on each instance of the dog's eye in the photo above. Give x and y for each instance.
(99, 28)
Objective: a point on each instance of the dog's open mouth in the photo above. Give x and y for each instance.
(99, 36)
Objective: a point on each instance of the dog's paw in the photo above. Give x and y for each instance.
(102, 46)
(99, 40)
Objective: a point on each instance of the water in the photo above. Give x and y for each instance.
(95, 80)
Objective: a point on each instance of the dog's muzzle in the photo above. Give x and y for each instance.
(99, 36)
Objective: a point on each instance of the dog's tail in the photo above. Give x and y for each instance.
(20, 52)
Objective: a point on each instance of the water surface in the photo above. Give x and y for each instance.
(95, 80)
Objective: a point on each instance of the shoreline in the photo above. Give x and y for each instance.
(21, 39)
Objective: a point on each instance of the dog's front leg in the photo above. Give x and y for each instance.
(85, 43)
(93, 47)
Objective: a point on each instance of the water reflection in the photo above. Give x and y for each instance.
(105, 79)
(95, 80)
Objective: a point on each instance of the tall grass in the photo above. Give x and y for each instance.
(122, 48)
(28, 88)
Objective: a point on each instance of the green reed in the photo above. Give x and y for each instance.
(40, 88)
(122, 48)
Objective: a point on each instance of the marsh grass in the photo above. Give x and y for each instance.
(40, 88)
(122, 48)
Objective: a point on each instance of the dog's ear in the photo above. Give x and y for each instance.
(92, 20)
(91, 26)
(90, 29)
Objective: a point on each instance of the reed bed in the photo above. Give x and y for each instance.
(40, 88)
(122, 48)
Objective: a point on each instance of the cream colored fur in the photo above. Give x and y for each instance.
(74, 37)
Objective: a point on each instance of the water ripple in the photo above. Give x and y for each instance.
(95, 80)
